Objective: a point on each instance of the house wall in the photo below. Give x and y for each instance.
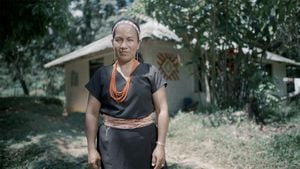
(278, 73)
(177, 90)
(76, 97)
(297, 85)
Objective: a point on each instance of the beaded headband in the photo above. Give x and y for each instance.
(126, 22)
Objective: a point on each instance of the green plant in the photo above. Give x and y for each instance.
(285, 148)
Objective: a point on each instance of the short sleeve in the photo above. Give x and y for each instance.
(157, 80)
(94, 86)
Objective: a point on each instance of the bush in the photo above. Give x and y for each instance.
(284, 112)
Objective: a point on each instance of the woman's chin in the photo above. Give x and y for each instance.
(125, 58)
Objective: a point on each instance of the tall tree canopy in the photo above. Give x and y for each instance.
(216, 32)
(34, 32)
(23, 23)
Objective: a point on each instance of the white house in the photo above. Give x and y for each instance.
(158, 49)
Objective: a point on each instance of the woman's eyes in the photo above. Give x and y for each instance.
(121, 40)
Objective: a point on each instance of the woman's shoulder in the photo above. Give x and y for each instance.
(148, 66)
(103, 70)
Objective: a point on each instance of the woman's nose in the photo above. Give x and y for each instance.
(123, 45)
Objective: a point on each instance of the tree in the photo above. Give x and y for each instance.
(35, 32)
(21, 23)
(216, 32)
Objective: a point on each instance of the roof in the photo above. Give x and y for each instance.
(274, 57)
(278, 58)
(150, 29)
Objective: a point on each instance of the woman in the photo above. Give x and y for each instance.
(132, 98)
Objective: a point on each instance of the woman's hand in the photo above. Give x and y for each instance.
(94, 159)
(158, 157)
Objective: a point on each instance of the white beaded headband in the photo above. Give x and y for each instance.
(126, 22)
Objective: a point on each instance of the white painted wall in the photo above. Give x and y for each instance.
(278, 73)
(178, 89)
(76, 97)
(297, 85)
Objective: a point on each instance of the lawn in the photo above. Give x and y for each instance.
(34, 134)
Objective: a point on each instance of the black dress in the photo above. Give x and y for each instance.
(127, 148)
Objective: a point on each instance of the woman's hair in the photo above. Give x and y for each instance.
(136, 27)
(127, 21)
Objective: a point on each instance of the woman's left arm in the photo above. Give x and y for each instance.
(161, 108)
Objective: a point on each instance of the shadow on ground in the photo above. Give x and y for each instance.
(34, 134)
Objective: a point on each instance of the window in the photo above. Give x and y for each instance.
(94, 65)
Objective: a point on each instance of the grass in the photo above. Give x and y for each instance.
(241, 145)
(34, 134)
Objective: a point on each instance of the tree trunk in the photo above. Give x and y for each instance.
(213, 54)
(24, 86)
(207, 89)
(22, 81)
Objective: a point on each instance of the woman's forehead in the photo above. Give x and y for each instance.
(125, 30)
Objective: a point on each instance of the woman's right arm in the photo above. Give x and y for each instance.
(91, 127)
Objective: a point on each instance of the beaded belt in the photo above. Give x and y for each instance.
(121, 123)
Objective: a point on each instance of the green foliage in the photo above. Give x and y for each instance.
(286, 111)
(37, 32)
(237, 31)
(25, 24)
(22, 21)
(265, 94)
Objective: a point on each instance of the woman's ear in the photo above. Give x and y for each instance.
(139, 44)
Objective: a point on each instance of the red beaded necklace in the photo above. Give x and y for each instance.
(120, 96)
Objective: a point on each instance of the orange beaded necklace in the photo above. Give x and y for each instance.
(120, 96)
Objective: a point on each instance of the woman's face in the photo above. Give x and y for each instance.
(125, 43)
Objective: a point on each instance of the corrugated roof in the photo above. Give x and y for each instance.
(151, 29)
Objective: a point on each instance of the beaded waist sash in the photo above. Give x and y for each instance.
(121, 123)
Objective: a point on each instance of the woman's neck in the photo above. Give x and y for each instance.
(125, 67)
